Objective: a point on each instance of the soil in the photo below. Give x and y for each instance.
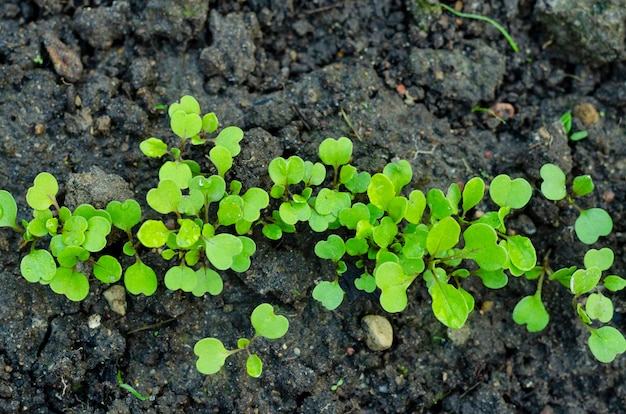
(81, 84)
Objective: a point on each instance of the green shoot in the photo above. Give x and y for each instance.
(485, 19)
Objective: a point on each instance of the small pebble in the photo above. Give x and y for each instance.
(116, 298)
(379, 332)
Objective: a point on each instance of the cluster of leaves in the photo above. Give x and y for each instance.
(62, 241)
(212, 354)
(566, 120)
(394, 239)
(591, 223)
(195, 242)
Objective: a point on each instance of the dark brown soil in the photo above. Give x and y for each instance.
(80, 86)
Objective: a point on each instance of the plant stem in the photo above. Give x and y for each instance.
(485, 19)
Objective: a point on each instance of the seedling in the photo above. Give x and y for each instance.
(566, 120)
(72, 237)
(183, 190)
(485, 19)
(130, 389)
(591, 223)
(212, 354)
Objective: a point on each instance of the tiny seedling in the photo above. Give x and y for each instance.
(212, 354)
(591, 223)
(130, 389)
(566, 120)
(336, 385)
(485, 19)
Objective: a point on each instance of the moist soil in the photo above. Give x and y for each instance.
(84, 82)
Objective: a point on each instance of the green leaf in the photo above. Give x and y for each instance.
(272, 231)
(614, 283)
(584, 280)
(415, 208)
(8, 209)
(165, 198)
(481, 246)
(229, 138)
(38, 265)
(255, 199)
(564, 275)
(553, 185)
(188, 104)
(285, 172)
(599, 307)
(314, 174)
(521, 252)
(332, 248)
(582, 185)
(591, 224)
(107, 269)
(95, 235)
(188, 234)
(185, 125)
(397, 208)
(606, 343)
(510, 193)
(209, 281)
(443, 235)
(439, 205)
(385, 232)
(366, 283)
(449, 305)
(221, 249)
(241, 262)
(393, 283)
(335, 152)
(181, 277)
(213, 188)
(254, 366)
(124, 215)
(221, 158)
(210, 122)
(602, 259)
(140, 278)
(211, 355)
(178, 172)
(531, 312)
(473, 193)
(74, 285)
(381, 191)
(74, 231)
(153, 233)
(331, 202)
(578, 135)
(267, 324)
(494, 279)
(329, 293)
(349, 217)
(153, 147)
(43, 193)
(400, 173)
(359, 183)
(230, 210)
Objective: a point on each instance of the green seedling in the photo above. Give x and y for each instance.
(485, 19)
(183, 190)
(591, 223)
(130, 389)
(566, 120)
(336, 385)
(70, 240)
(212, 354)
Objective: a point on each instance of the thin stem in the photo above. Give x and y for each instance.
(485, 19)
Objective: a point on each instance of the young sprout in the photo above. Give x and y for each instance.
(212, 354)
